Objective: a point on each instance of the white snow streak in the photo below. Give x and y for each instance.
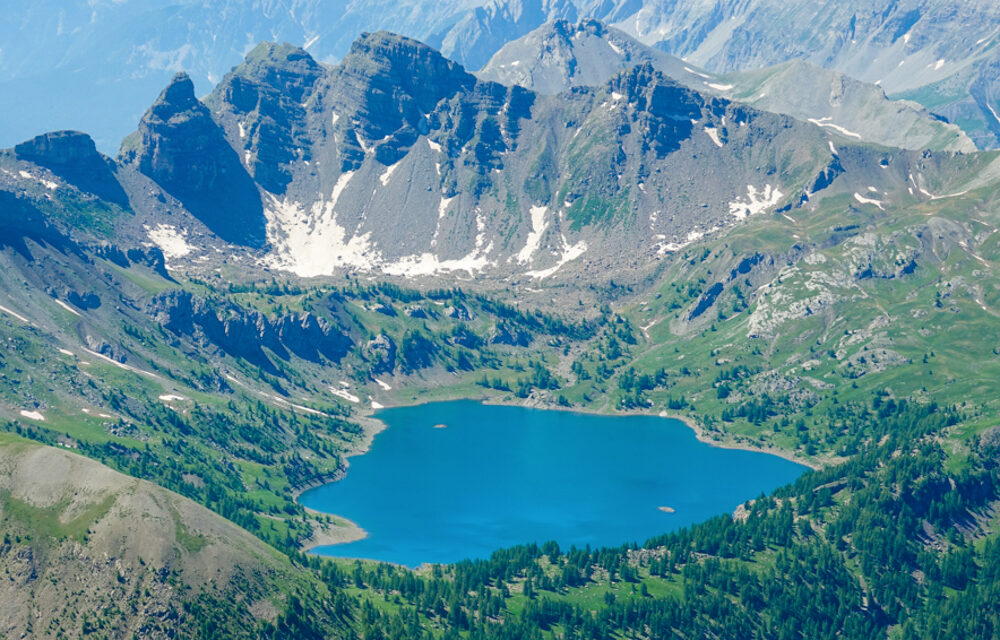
(863, 200)
(756, 201)
(538, 226)
(713, 133)
(825, 122)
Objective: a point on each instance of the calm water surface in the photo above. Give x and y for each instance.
(496, 476)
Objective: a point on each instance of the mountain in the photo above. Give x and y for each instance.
(558, 55)
(492, 179)
(89, 550)
(108, 60)
(305, 169)
(940, 53)
(485, 29)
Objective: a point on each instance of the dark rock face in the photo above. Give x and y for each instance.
(267, 95)
(509, 335)
(380, 351)
(458, 312)
(180, 146)
(72, 156)
(385, 87)
(245, 333)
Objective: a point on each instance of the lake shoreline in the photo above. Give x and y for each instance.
(700, 432)
(328, 534)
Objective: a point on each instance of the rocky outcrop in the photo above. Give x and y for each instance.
(385, 87)
(380, 351)
(510, 335)
(245, 333)
(181, 147)
(72, 156)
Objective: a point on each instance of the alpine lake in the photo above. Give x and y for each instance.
(453, 480)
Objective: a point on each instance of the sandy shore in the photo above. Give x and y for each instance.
(336, 531)
(339, 530)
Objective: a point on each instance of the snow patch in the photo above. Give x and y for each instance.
(15, 314)
(48, 184)
(66, 307)
(433, 145)
(863, 200)
(171, 397)
(377, 405)
(386, 175)
(719, 87)
(825, 122)
(315, 244)
(346, 395)
(66, 352)
(569, 253)
(756, 201)
(538, 226)
(713, 133)
(833, 149)
(33, 415)
(697, 73)
(385, 387)
(616, 48)
(616, 96)
(170, 240)
(443, 206)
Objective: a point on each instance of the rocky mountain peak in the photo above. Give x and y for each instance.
(262, 105)
(59, 148)
(181, 147)
(176, 99)
(396, 65)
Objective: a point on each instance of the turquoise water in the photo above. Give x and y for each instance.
(498, 476)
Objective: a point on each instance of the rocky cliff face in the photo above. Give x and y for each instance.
(182, 149)
(397, 161)
(72, 156)
(263, 106)
(244, 333)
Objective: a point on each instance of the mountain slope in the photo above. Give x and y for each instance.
(560, 54)
(87, 549)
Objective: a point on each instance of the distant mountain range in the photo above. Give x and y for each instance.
(940, 54)
(559, 55)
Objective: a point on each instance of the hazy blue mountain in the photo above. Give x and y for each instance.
(559, 55)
